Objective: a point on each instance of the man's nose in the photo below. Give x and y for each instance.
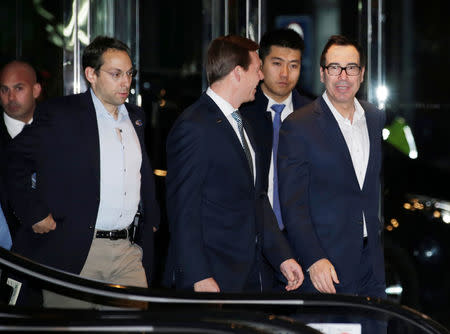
(11, 95)
(284, 70)
(125, 80)
(343, 74)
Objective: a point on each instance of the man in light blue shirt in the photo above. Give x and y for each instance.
(5, 236)
(93, 210)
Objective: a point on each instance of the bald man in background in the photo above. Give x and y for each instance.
(19, 90)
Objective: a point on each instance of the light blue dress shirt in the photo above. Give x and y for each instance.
(5, 236)
(120, 168)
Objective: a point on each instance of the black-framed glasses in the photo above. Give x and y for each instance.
(335, 69)
(117, 75)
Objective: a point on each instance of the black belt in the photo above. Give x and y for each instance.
(113, 235)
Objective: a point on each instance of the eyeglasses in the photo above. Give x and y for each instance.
(335, 69)
(117, 75)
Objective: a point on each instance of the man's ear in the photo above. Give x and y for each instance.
(237, 73)
(90, 75)
(321, 74)
(37, 88)
(362, 73)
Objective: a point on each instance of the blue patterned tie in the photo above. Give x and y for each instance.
(237, 117)
(278, 108)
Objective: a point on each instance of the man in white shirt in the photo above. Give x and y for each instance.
(19, 90)
(276, 98)
(93, 179)
(221, 224)
(329, 180)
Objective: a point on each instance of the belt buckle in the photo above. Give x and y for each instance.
(112, 236)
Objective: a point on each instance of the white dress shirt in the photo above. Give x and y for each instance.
(120, 165)
(288, 109)
(356, 137)
(227, 109)
(14, 126)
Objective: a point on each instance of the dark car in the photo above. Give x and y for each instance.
(417, 221)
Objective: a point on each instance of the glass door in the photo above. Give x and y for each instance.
(86, 19)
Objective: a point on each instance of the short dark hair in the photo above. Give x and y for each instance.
(343, 41)
(92, 55)
(227, 52)
(286, 38)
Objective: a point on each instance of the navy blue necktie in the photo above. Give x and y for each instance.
(237, 117)
(278, 108)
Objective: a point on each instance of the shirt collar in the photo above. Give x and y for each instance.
(14, 126)
(101, 110)
(357, 116)
(223, 105)
(287, 102)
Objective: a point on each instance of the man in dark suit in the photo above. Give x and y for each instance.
(19, 90)
(275, 99)
(92, 174)
(221, 224)
(329, 162)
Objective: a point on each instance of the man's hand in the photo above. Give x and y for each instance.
(323, 275)
(207, 285)
(293, 273)
(44, 226)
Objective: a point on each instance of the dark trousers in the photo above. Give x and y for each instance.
(366, 285)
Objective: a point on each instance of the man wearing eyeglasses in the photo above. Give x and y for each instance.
(329, 162)
(92, 210)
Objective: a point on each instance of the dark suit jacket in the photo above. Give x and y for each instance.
(220, 223)
(62, 147)
(255, 113)
(321, 200)
(5, 139)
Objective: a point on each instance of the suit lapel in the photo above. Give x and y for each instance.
(5, 138)
(223, 125)
(331, 130)
(89, 130)
(262, 102)
(256, 149)
(371, 122)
